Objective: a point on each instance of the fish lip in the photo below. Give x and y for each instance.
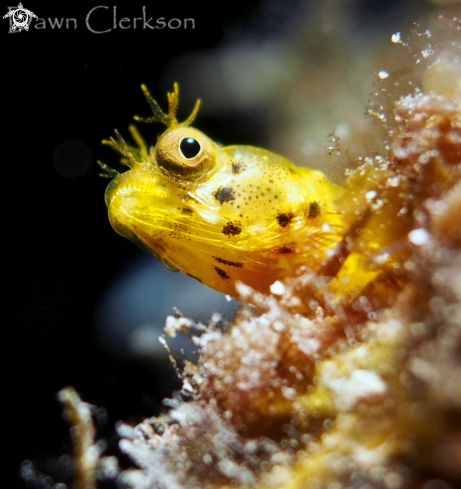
(131, 191)
(122, 191)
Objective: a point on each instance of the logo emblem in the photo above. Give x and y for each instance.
(20, 18)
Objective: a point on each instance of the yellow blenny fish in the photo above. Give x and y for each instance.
(221, 213)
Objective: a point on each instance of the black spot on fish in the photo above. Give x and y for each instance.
(314, 210)
(221, 273)
(228, 262)
(231, 229)
(224, 194)
(187, 211)
(237, 167)
(285, 219)
(285, 249)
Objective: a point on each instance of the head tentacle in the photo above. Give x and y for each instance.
(173, 102)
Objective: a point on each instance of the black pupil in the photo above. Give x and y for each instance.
(190, 148)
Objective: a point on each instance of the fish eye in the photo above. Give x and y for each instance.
(185, 152)
(189, 148)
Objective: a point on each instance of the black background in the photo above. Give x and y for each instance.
(58, 250)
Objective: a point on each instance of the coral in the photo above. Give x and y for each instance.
(86, 452)
(348, 376)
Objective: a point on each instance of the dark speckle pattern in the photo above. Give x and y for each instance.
(225, 194)
(232, 229)
(228, 262)
(314, 210)
(284, 219)
(237, 167)
(221, 273)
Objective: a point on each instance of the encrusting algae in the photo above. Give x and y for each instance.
(344, 372)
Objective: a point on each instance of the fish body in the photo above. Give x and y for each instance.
(221, 214)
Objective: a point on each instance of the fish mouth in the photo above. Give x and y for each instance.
(138, 203)
(137, 213)
(117, 188)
